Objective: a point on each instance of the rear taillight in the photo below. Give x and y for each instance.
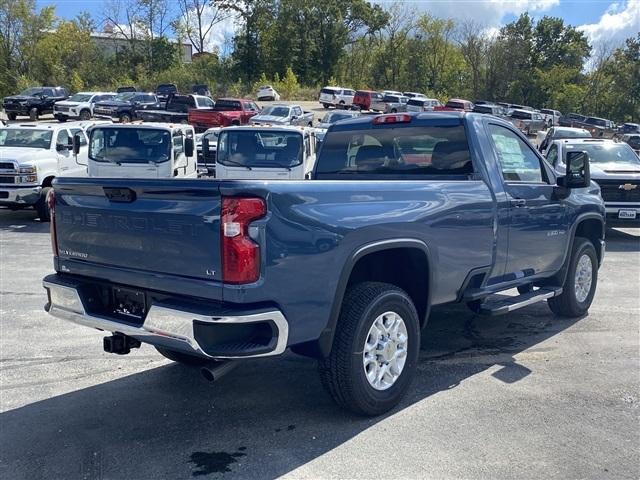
(51, 203)
(240, 253)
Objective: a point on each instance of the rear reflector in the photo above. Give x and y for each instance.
(240, 254)
(393, 118)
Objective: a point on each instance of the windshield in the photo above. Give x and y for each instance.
(608, 153)
(271, 149)
(455, 105)
(416, 102)
(522, 115)
(130, 145)
(30, 92)
(571, 134)
(596, 121)
(391, 99)
(27, 138)
(80, 97)
(335, 117)
(276, 111)
(483, 109)
(124, 96)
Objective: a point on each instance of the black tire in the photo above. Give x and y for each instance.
(341, 105)
(325, 105)
(566, 304)
(183, 358)
(42, 207)
(85, 115)
(393, 110)
(342, 373)
(33, 114)
(61, 118)
(125, 118)
(12, 115)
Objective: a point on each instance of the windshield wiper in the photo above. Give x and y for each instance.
(236, 163)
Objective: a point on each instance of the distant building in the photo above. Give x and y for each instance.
(110, 42)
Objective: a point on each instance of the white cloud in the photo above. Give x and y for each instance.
(619, 22)
(487, 13)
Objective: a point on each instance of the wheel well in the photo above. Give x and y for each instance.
(593, 230)
(404, 267)
(47, 181)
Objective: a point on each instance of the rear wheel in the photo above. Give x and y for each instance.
(580, 285)
(42, 206)
(12, 115)
(375, 349)
(125, 118)
(33, 114)
(182, 358)
(341, 105)
(61, 118)
(325, 105)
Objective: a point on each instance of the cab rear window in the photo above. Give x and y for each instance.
(398, 152)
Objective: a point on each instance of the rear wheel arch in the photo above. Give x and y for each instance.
(367, 263)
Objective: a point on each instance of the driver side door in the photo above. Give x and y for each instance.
(68, 165)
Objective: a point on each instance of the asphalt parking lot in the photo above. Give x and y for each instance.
(525, 395)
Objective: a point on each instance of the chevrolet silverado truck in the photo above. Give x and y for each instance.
(283, 115)
(404, 212)
(615, 167)
(33, 102)
(175, 109)
(226, 112)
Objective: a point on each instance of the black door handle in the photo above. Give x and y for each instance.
(518, 202)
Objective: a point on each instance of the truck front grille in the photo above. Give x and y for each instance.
(7, 166)
(618, 191)
(7, 180)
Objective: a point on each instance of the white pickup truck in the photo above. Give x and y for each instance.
(264, 152)
(32, 155)
(149, 150)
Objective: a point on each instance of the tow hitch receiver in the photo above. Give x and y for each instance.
(119, 344)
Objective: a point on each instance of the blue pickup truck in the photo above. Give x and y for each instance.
(404, 212)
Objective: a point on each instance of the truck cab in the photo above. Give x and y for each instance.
(141, 151)
(265, 152)
(31, 156)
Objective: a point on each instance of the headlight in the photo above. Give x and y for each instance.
(29, 169)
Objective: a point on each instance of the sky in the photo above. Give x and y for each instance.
(606, 23)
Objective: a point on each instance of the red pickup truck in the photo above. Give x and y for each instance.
(226, 112)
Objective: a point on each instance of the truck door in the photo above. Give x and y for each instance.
(537, 228)
(67, 165)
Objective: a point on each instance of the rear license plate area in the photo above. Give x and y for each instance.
(130, 305)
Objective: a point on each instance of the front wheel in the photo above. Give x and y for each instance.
(33, 114)
(375, 349)
(42, 205)
(183, 358)
(125, 118)
(580, 284)
(12, 115)
(85, 115)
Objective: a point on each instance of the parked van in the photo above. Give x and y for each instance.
(365, 99)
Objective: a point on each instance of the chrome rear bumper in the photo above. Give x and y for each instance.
(166, 327)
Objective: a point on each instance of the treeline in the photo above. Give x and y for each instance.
(301, 45)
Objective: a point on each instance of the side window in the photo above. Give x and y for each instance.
(83, 138)
(205, 102)
(178, 144)
(297, 111)
(518, 161)
(307, 145)
(552, 155)
(63, 137)
(49, 92)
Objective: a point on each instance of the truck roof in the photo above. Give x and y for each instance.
(450, 115)
(150, 125)
(282, 128)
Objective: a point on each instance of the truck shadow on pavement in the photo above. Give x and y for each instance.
(24, 221)
(262, 421)
(627, 240)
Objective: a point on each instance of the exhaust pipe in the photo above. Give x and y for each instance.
(215, 370)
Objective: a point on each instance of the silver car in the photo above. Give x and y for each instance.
(527, 122)
(395, 103)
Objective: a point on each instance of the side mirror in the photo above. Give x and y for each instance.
(577, 174)
(61, 147)
(77, 142)
(188, 147)
(205, 149)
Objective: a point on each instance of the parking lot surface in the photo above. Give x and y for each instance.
(525, 395)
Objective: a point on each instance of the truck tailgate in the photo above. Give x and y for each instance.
(166, 228)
